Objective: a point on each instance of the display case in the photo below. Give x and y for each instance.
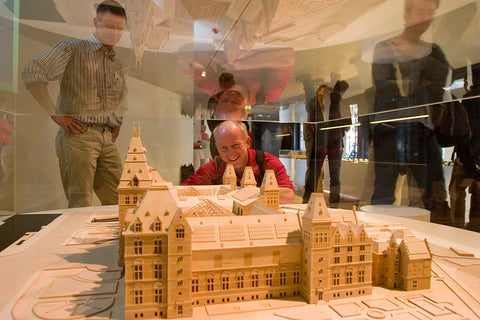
(280, 53)
(372, 103)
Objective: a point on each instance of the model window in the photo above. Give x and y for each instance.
(337, 238)
(337, 249)
(127, 200)
(138, 295)
(157, 271)
(362, 236)
(138, 226)
(210, 284)
(135, 182)
(349, 276)
(296, 277)
(268, 279)
(349, 248)
(350, 237)
(180, 232)
(362, 257)
(254, 280)
(361, 276)
(240, 282)
(158, 225)
(157, 246)
(157, 295)
(226, 283)
(283, 278)
(135, 199)
(362, 247)
(180, 310)
(195, 285)
(138, 271)
(337, 260)
(349, 258)
(137, 246)
(336, 278)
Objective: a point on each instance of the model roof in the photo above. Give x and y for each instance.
(244, 231)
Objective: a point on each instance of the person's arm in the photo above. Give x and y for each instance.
(286, 195)
(47, 66)
(40, 93)
(205, 175)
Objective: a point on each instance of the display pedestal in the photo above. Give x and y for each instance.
(399, 211)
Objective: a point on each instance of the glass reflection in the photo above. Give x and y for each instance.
(179, 50)
(408, 71)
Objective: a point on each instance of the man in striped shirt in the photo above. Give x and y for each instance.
(89, 108)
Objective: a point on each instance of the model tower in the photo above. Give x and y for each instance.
(317, 228)
(229, 176)
(137, 177)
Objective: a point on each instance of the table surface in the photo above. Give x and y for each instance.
(68, 270)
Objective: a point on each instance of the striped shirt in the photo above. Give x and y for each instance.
(92, 83)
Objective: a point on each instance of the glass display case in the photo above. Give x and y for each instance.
(352, 96)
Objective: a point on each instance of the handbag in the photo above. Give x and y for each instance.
(451, 123)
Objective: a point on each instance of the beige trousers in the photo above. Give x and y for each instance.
(89, 162)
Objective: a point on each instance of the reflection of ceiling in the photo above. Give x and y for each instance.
(229, 24)
(331, 39)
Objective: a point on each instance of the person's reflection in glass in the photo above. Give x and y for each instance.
(90, 106)
(320, 144)
(225, 82)
(232, 105)
(465, 173)
(315, 142)
(409, 72)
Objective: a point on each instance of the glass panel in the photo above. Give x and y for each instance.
(352, 89)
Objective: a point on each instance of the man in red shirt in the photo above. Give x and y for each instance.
(233, 144)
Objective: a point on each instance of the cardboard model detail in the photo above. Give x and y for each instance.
(187, 246)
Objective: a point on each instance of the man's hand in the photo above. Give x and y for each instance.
(69, 124)
(115, 132)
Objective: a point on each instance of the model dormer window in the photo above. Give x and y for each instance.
(180, 232)
(363, 236)
(127, 199)
(350, 237)
(138, 226)
(158, 225)
(135, 182)
(337, 238)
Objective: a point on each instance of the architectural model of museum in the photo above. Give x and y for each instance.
(188, 246)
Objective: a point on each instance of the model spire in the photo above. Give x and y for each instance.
(248, 178)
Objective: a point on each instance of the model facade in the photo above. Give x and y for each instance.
(198, 245)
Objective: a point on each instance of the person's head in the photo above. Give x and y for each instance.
(322, 92)
(233, 142)
(109, 22)
(231, 104)
(226, 81)
(418, 14)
